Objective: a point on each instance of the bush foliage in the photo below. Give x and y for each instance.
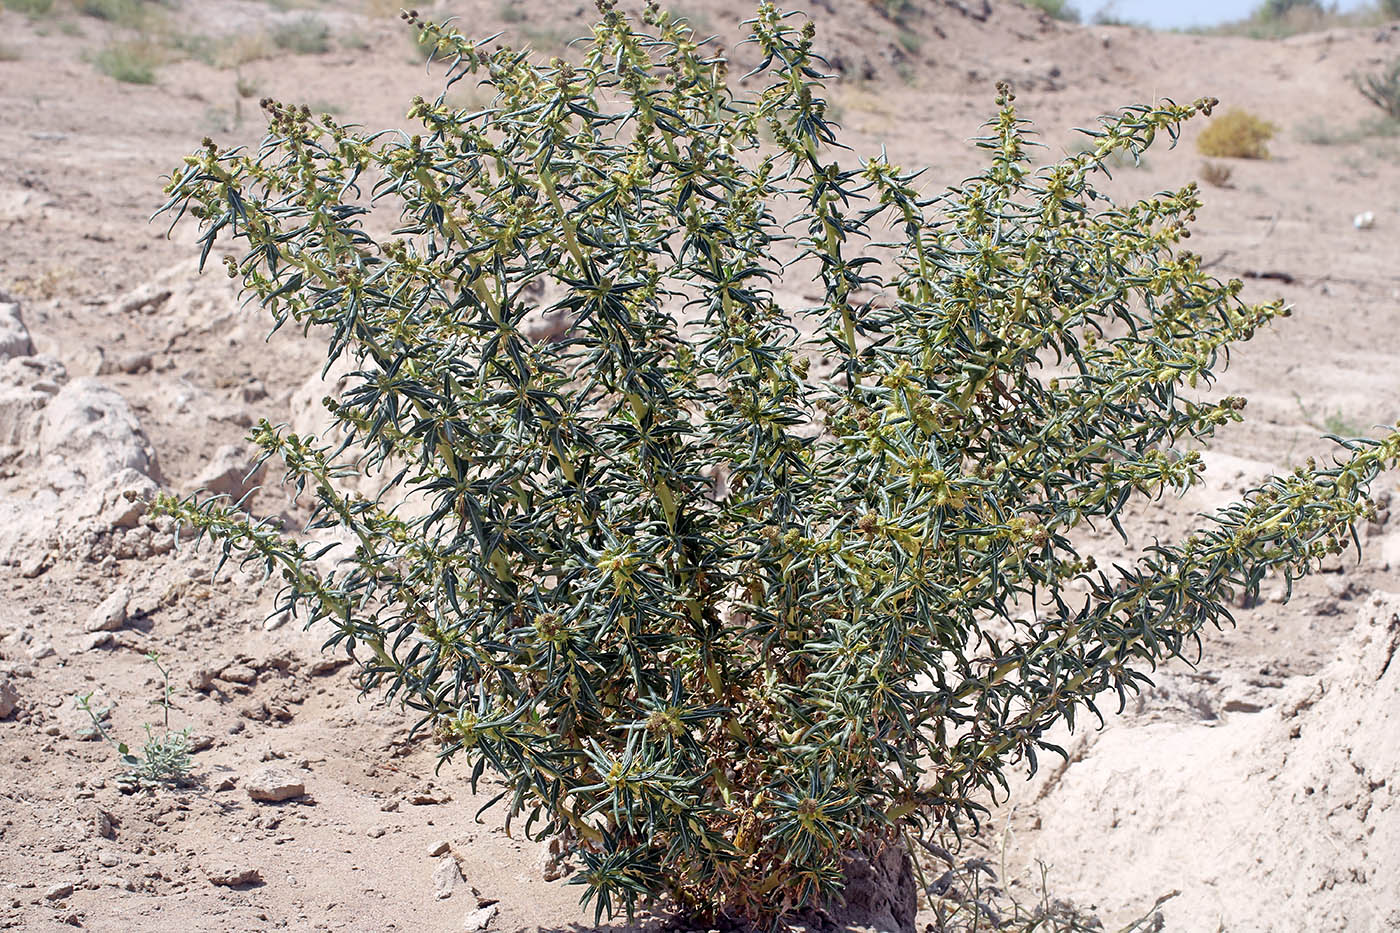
(716, 612)
(1382, 88)
(1237, 134)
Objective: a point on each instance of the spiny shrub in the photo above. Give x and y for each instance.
(1383, 89)
(724, 587)
(1237, 134)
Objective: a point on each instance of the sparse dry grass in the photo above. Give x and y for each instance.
(131, 62)
(1216, 174)
(306, 35)
(29, 7)
(1279, 19)
(129, 14)
(46, 283)
(385, 9)
(1323, 134)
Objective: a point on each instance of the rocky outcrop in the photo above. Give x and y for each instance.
(88, 429)
(14, 336)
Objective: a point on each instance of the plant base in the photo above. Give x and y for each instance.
(880, 896)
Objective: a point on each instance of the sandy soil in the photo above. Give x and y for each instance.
(1261, 784)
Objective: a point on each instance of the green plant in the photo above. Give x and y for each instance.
(1278, 9)
(1389, 8)
(132, 62)
(1057, 9)
(29, 7)
(1336, 423)
(1237, 134)
(1278, 19)
(165, 757)
(1114, 160)
(717, 614)
(893, 10)
(1103, 18)
(305, 35)
(132, 14)
(1383, 89)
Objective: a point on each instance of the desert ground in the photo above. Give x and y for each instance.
(1262, 784)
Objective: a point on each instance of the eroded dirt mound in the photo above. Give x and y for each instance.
(1270, 807)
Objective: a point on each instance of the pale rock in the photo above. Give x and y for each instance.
(429, 796)
(308, 411)
(108, 859)
(480, 919)
(232, 472)
(9, 698)
(446, 877)
(58, 891)
(552, 860)
(1389, 551)
(35, 564)
(203, 678)
(441, 847)
(95, 640)
(32, 527)
(274, 785)
(102, 824)
(543, 325)
(27, 384)
(39, 650)
(230, 875)
(115, 501)
(110, 614)
(14, 336)
(146, 298)
(545, 321)
(135, 542)
(130, 363)
(89, 430)
(239, 674)
(323, 666)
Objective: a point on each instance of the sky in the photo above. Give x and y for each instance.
(1168, 14)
